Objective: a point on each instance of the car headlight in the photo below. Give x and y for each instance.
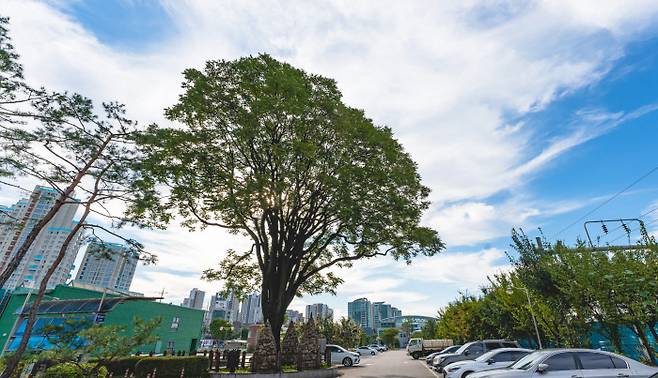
(440, 360)
(453, 368)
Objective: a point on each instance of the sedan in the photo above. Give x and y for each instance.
(496, 359)
(340, 355)
(430, 357)
(571, 363)
(366, 351)
(378, 348)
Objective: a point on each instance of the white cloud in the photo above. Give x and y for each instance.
(445, 76)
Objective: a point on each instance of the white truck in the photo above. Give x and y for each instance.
(419, 347)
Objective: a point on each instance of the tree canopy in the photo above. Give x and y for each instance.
(574, 291)
(220, 329)
(271, 152)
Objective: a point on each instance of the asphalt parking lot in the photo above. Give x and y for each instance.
(390, 364)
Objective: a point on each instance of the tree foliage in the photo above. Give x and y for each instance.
(343, 332)
(270, 152)
(389, 337)
(100, 344)
(221, 329)
(573, 291)
(86, 158)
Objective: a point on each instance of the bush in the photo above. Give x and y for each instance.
(118, 367)
(71, 370)
(170, 367)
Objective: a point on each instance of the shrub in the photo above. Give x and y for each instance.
(170, 367)
(118, 367)
(71, 370)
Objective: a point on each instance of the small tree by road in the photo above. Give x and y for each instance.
(221, 329)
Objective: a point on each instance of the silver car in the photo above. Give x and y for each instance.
(496, 359)
(571, 363)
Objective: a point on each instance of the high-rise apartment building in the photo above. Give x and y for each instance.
(18, 220)
(251, 311)
(224, 307)
(319, 311)
(361, 311)
(108, 265)
(381, 310)
(294, 316)
(195, 300)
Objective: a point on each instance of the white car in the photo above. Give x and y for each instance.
(495, 359)
(366, 351)
(571, 363)
(378, 348)
(340, 355)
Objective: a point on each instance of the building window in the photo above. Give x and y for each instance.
(174, 323)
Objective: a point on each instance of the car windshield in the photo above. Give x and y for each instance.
(485, 357)
(451, 349)
(528, 361)
(463, 348)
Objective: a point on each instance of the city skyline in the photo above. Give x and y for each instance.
(497, 151)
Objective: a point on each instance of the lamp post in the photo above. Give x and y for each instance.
(532, 313)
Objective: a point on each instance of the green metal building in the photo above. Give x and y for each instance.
(179, 330)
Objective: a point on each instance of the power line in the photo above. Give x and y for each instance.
(645, 225)
(607, 201)
(640, 216)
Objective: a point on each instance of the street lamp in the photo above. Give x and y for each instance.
(510, 290)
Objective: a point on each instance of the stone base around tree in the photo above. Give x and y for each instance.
(320, 373)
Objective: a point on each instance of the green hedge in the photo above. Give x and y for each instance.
(70, 370)
(170, 367)
(118, 367)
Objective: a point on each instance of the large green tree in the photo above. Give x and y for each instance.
(271, 152)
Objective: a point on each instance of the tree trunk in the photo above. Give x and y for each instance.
(22, 251)
(31, 237)
(14, 360)
(654, 333)
(637, 328)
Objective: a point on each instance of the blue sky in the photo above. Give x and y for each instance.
(519, 116)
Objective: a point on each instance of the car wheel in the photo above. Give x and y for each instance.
(415, 355)
(372, 353)
(347, 362)
(466, 374)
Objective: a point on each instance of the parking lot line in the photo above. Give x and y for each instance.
(431, 371)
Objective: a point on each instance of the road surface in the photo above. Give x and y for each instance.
(391, 364)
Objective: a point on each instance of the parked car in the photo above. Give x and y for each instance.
(495, 359)
(340, 355)
(471, 351)
(571, 363)
(430, 358)
(366, 350)
(378, 348)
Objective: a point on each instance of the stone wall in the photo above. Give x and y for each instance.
(265, 358)
(290, 346)
(309, 347)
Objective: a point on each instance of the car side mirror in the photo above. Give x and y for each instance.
(466, 353)
(490, 361)
(541, 368)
